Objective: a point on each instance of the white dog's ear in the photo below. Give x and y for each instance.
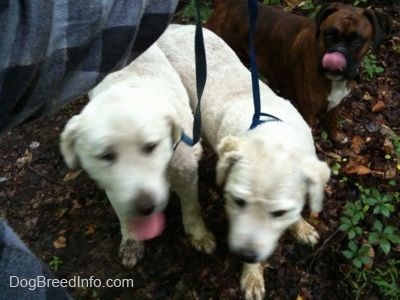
(227, 144)
(176, 131)
(228, 153)
(68, 137)
(317, 174)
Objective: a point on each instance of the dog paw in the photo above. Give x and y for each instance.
(304, 232)
(130, 252)
(205, 243)
(252, 282)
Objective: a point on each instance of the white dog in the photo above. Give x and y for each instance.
(268, 172)
(126, 139)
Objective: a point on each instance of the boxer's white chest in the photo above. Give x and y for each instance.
(338, 92)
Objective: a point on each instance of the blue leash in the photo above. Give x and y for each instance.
(253, 12)
(201, 76)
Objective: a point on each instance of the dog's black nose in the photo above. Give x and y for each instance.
(144, 204)
(247, 255)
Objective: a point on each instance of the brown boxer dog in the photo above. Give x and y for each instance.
(313, 63)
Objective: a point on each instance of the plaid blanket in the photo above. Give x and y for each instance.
(52, 52)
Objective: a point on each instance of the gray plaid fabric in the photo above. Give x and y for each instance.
(51, 52)
(21, 273)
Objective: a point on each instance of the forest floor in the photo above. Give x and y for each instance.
(68, 222)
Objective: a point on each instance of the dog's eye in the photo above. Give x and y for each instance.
(278, 213)
(110, 156)
(239, 202)
(358, 42)
(149, 148)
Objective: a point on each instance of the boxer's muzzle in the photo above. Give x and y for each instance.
(338, 65)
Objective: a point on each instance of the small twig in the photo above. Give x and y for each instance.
(43, 175)
(320, 248)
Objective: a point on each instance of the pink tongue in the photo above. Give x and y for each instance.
(147, 227)
(334, 61)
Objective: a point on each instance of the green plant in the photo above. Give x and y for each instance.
(358, 255)
(271, 2)
(371, 66)
(336, 167)
(357, 2)
(382, 204)
(352, 223)
(190, 10)
(309, 6)
(387, 279)
(55, 263)
(359, 282)
(363, 238)
(383, 236)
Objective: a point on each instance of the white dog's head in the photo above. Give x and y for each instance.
(265, 189)
(124, 139)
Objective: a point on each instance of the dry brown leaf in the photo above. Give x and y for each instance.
(90, 229)
(60, 213)
(367, 96)
(352, 168)
(362, 170)
(378, 106)
(356, 143)
(27, 158)
(75, 205)
(300, 297)
(370, 253)
(388, 146)
(60, 242)
(71, 175)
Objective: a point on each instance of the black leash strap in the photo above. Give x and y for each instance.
(201, 76)
(253, 12)
(201, 71)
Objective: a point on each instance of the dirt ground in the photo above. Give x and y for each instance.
(68, 222)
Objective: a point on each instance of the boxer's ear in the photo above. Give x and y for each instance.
(382, 26)
(325, 11)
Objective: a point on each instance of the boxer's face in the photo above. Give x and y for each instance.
(344, 38)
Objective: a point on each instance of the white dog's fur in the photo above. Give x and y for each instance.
(125, 138)
(268, 172)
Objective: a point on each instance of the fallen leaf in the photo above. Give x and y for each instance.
(27, 158)
(75, 205)
(352, 168)
(378, 106)
(388, 146)
(90, 229)
(367, 96)
(361, 170)
(370, 254)
(356, 143)
(300, 297)
(71, 175)
(60, 242)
